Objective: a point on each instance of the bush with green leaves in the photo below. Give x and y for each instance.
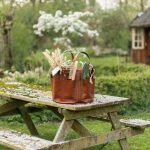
(115, 28)
(114, 69)
(135, 86)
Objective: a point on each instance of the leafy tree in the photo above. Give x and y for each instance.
(114, 29)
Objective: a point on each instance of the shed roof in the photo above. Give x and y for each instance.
(142, 19)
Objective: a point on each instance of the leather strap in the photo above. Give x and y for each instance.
(68, 51)
(76, 56)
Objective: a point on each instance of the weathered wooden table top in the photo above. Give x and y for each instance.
(44, 98)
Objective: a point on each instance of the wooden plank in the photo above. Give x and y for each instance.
(135, 123)
(46, 99)
(89, 141)
(9, 106)
(20, 141)
(63, 130)
(28, 121)
(116, 125)
(69, 115)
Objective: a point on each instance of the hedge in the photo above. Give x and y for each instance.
(114, 69)
(135, 86)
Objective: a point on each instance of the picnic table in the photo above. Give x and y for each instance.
(18, 98)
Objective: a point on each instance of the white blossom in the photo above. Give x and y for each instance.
(65, 24)
(70, 23)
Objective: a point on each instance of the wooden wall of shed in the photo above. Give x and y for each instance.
(138, 56)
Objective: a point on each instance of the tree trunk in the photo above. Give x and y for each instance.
(142, 5)
(120, 3)
(92, 3)
(126, 2)
(33, 2)
(6, 27)
(7, 49)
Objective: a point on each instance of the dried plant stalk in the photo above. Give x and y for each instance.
(55, 59)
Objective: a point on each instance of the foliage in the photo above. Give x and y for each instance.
(36, 60)
(34, 78)
(22, 45)
(135, 86)
(116, 69)
(114, 29)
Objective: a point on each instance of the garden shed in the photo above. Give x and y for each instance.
(140, 28)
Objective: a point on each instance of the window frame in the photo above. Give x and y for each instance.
(138, 37)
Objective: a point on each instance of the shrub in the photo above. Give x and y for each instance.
(114, 69)
(135, 86)
(34, 78)
(36, 60)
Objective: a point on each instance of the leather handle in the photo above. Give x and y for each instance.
(68, 51)
(76, 56)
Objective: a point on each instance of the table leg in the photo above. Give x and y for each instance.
(28, 121)
(63, 130)
(76, 126)
(114, 118)
(80, 129)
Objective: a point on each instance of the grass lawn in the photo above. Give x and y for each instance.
(107, 60)
(47, 131)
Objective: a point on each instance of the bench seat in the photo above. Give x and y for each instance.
(20, 141)
(136, 123)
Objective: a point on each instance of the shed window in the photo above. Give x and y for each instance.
(137, 38)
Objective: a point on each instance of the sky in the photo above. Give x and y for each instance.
(106, 4)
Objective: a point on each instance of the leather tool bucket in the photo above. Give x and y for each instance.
(69, 91)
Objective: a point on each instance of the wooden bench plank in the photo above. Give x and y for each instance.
(21, 141)
(136, 123)
(102, 138)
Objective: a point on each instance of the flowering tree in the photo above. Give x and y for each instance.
(65, 25)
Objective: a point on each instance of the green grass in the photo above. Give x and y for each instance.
(48, 130)
(107, 60)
